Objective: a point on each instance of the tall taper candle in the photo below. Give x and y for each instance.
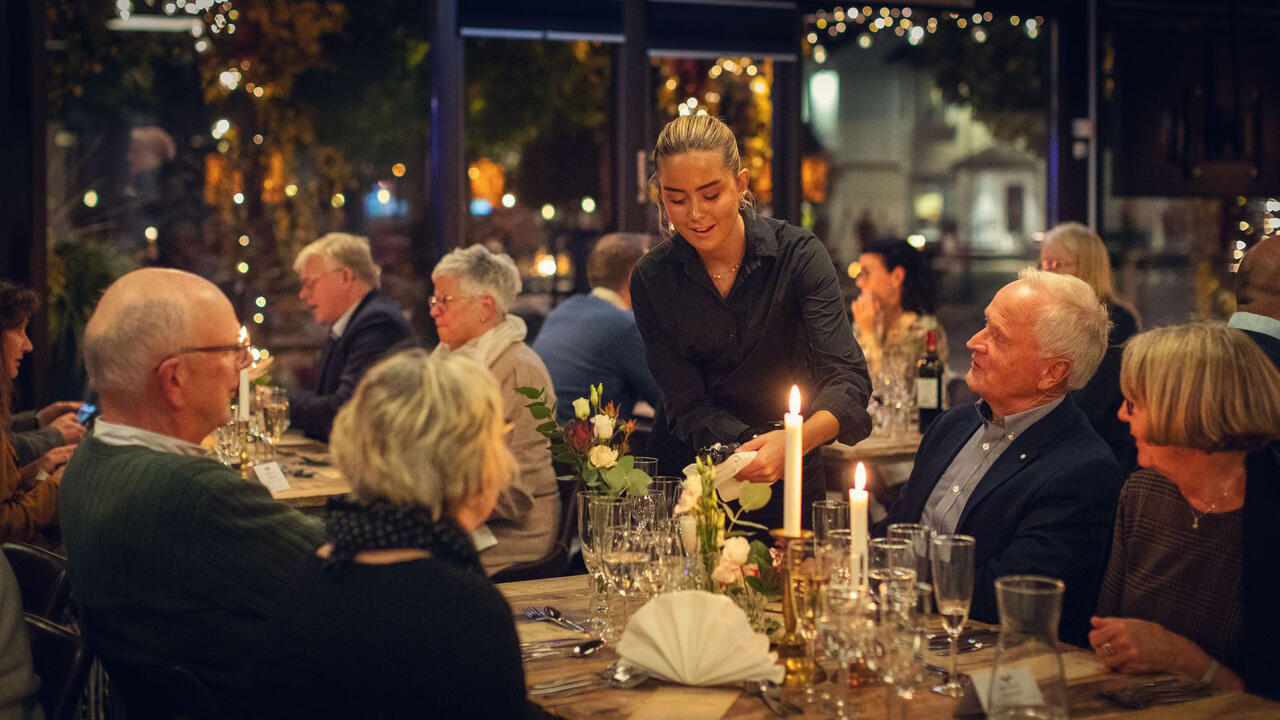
(793, 427)
(858, 501)
(242, 413)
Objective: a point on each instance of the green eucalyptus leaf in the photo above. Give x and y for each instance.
(548, 427)
(540, 412)
(530, 392)
(748, 523)
(754, 496)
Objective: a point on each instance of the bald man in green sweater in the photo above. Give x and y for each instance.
(173, 559)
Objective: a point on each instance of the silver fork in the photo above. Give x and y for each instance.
(537, 615)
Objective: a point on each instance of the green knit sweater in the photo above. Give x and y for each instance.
(176, 560)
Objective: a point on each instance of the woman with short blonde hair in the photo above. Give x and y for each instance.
(1074, 249)
(1192, 568)
(399, 606)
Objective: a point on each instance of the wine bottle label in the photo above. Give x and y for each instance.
(927, 393)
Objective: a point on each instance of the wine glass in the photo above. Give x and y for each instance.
(808, 584)
(829, 515)
(648, 464)
(274, 404)
(952, 563)
(625, 556)
(890, 562)
(833, 556)
(670, 488)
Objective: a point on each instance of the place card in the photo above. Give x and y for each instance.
(271, 476)
(1015, 686)
(687, 703)
(483, 538)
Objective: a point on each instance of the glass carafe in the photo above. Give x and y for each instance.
(1027, 680)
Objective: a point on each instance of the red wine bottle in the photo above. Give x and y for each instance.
(929, 376)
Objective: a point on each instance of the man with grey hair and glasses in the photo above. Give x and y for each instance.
(1022, 470)
(172, 558)
(340, 284)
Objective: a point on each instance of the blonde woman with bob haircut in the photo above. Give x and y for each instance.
(1074, 249)
(399, 608)
(735, 308)
(1192, 578)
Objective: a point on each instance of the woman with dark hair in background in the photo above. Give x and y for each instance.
(894, 311)
(28, 495)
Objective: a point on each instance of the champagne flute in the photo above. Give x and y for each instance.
(953, 589)
(597, 512)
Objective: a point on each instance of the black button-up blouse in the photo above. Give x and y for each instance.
(726, 364)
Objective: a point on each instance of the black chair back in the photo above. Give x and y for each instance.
(556, 562)
(42, 579)
(162, 692)
(62, 661)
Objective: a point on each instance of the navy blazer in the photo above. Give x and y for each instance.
(376, 326)
(1046, 507)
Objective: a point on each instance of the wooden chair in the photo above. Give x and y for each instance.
(162, 692)
(62, 661)
(556, 562)
(42, 579)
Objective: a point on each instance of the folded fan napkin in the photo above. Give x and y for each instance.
(697, 638)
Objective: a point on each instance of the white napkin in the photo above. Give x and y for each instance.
(697, 638)
(727, 483)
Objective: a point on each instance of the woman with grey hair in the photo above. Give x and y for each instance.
(474, 289)
(398, 607)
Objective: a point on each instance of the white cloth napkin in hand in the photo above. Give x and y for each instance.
(697, 638)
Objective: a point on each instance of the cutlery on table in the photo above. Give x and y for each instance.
(771, 695)
(617, 675)
(559, 617)
(580, 650)
(537, 615)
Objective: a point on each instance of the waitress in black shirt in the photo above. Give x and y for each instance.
(735, 308)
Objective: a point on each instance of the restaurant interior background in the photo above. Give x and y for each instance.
(221, 137)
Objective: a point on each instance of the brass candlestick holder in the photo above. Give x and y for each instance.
(800, 669)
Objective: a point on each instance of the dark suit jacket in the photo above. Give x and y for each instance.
(377, 326)
(1269, 345)
(1045, 508)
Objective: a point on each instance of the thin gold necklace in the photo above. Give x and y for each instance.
(718, 276)
(1210, 507)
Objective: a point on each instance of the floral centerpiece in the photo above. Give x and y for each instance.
(595, 442)
(730, 563)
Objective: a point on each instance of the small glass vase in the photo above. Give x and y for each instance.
(1028, 679)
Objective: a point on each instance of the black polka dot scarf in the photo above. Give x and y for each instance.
(353, 526)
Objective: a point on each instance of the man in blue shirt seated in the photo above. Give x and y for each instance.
(1022, 470)
(340, 284)
(592, 339)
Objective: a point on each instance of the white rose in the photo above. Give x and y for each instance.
(602, 456)
(726, 573)
(602, 425)
(736, 550)
(581, 408)
(688, 499)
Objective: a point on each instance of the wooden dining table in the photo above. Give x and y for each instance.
(656, 699)
(309, 469)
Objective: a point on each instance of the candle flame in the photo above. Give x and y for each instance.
(860, 477)
(795, 400)
(244, 333)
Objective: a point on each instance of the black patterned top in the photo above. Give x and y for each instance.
(1165, 571)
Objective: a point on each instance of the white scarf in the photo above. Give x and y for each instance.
(491, 343)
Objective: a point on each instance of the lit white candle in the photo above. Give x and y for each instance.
(793, 428)
(242, 412)
(858, 501)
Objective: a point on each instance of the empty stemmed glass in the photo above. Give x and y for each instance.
(833, 557)
(952, 565)
(626, 555)
(595, 513)
(843, 628)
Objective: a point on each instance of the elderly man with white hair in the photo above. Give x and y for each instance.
(474, 289)
(173, 559)
(1022, 470)
(340, 284)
